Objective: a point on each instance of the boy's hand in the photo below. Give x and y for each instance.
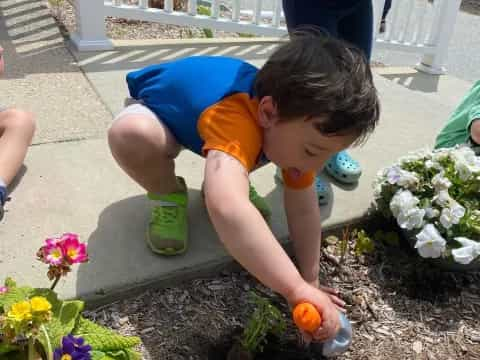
(327, 309)
(475, 131)
(332, 293)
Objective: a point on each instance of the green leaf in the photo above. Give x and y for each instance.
(7, 348)
(134, 355)
(266, 319)
(97, 355)
(208, 33)
(103, 339)
(123, 355)
(10, 283)
(17, 355)
(115, 355)
(13, 296)
(363, 244)
(85, 326)
(62, 323)
(203, 10)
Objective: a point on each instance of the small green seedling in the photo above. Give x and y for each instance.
(363, 244)
(266, 319)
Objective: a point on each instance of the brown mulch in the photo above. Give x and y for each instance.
(400, 307)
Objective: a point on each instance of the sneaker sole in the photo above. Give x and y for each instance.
(166, 251)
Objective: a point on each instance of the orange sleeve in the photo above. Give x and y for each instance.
(231, 126)
(298, 182)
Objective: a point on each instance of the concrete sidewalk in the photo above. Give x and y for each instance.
(75, 186)
(42, 77)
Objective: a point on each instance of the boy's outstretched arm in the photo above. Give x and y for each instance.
(247, 237)
(304, 224)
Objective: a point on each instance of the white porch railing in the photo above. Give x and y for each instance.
(413, 25)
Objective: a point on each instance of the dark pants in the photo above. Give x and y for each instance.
(386, 8)
(349, 20)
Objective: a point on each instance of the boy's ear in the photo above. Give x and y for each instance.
(267, 112)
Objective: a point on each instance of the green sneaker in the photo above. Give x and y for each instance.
(260, 203)
(167, 232)
(257, 201)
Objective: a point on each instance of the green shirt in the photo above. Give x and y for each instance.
(457, 130)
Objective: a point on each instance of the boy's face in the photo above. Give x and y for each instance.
(2, 63)
(297, 144)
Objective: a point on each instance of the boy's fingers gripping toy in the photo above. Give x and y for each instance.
(306, 317)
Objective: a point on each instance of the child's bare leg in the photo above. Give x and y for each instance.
(145, 149)
(16, 132)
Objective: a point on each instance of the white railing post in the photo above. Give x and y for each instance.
(168, 6)
(277, 9)
(257, 12)
(90, 34)
(440, 35)
(192, 7)
(377, 15)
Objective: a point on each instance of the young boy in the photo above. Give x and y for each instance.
(314, 97)
(463, 127)
(16, 132)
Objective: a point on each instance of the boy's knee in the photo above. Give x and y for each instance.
(475, 131)
(127, 131)
(20, 120)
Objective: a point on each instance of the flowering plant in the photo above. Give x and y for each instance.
(36, 324)
(60, 254)
(434, 196)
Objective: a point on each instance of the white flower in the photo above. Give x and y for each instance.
(393, 174)
(382, 173)
(470, 250)
(466, 162)
(452, 215)
(443, 198)
(440, 154)
(402, 201)
(422, 154)
(396, 175)
(463, 170)
(408, 159)
(465, 153)
(440, 182)
(430, 244)
(431, 212)
(411, 218)
(404, 207)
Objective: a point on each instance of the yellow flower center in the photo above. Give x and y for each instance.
(66, 357)
(57, 254)
(72, 253)
(40, 304)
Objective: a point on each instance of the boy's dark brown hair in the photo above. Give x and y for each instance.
(313, 74)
